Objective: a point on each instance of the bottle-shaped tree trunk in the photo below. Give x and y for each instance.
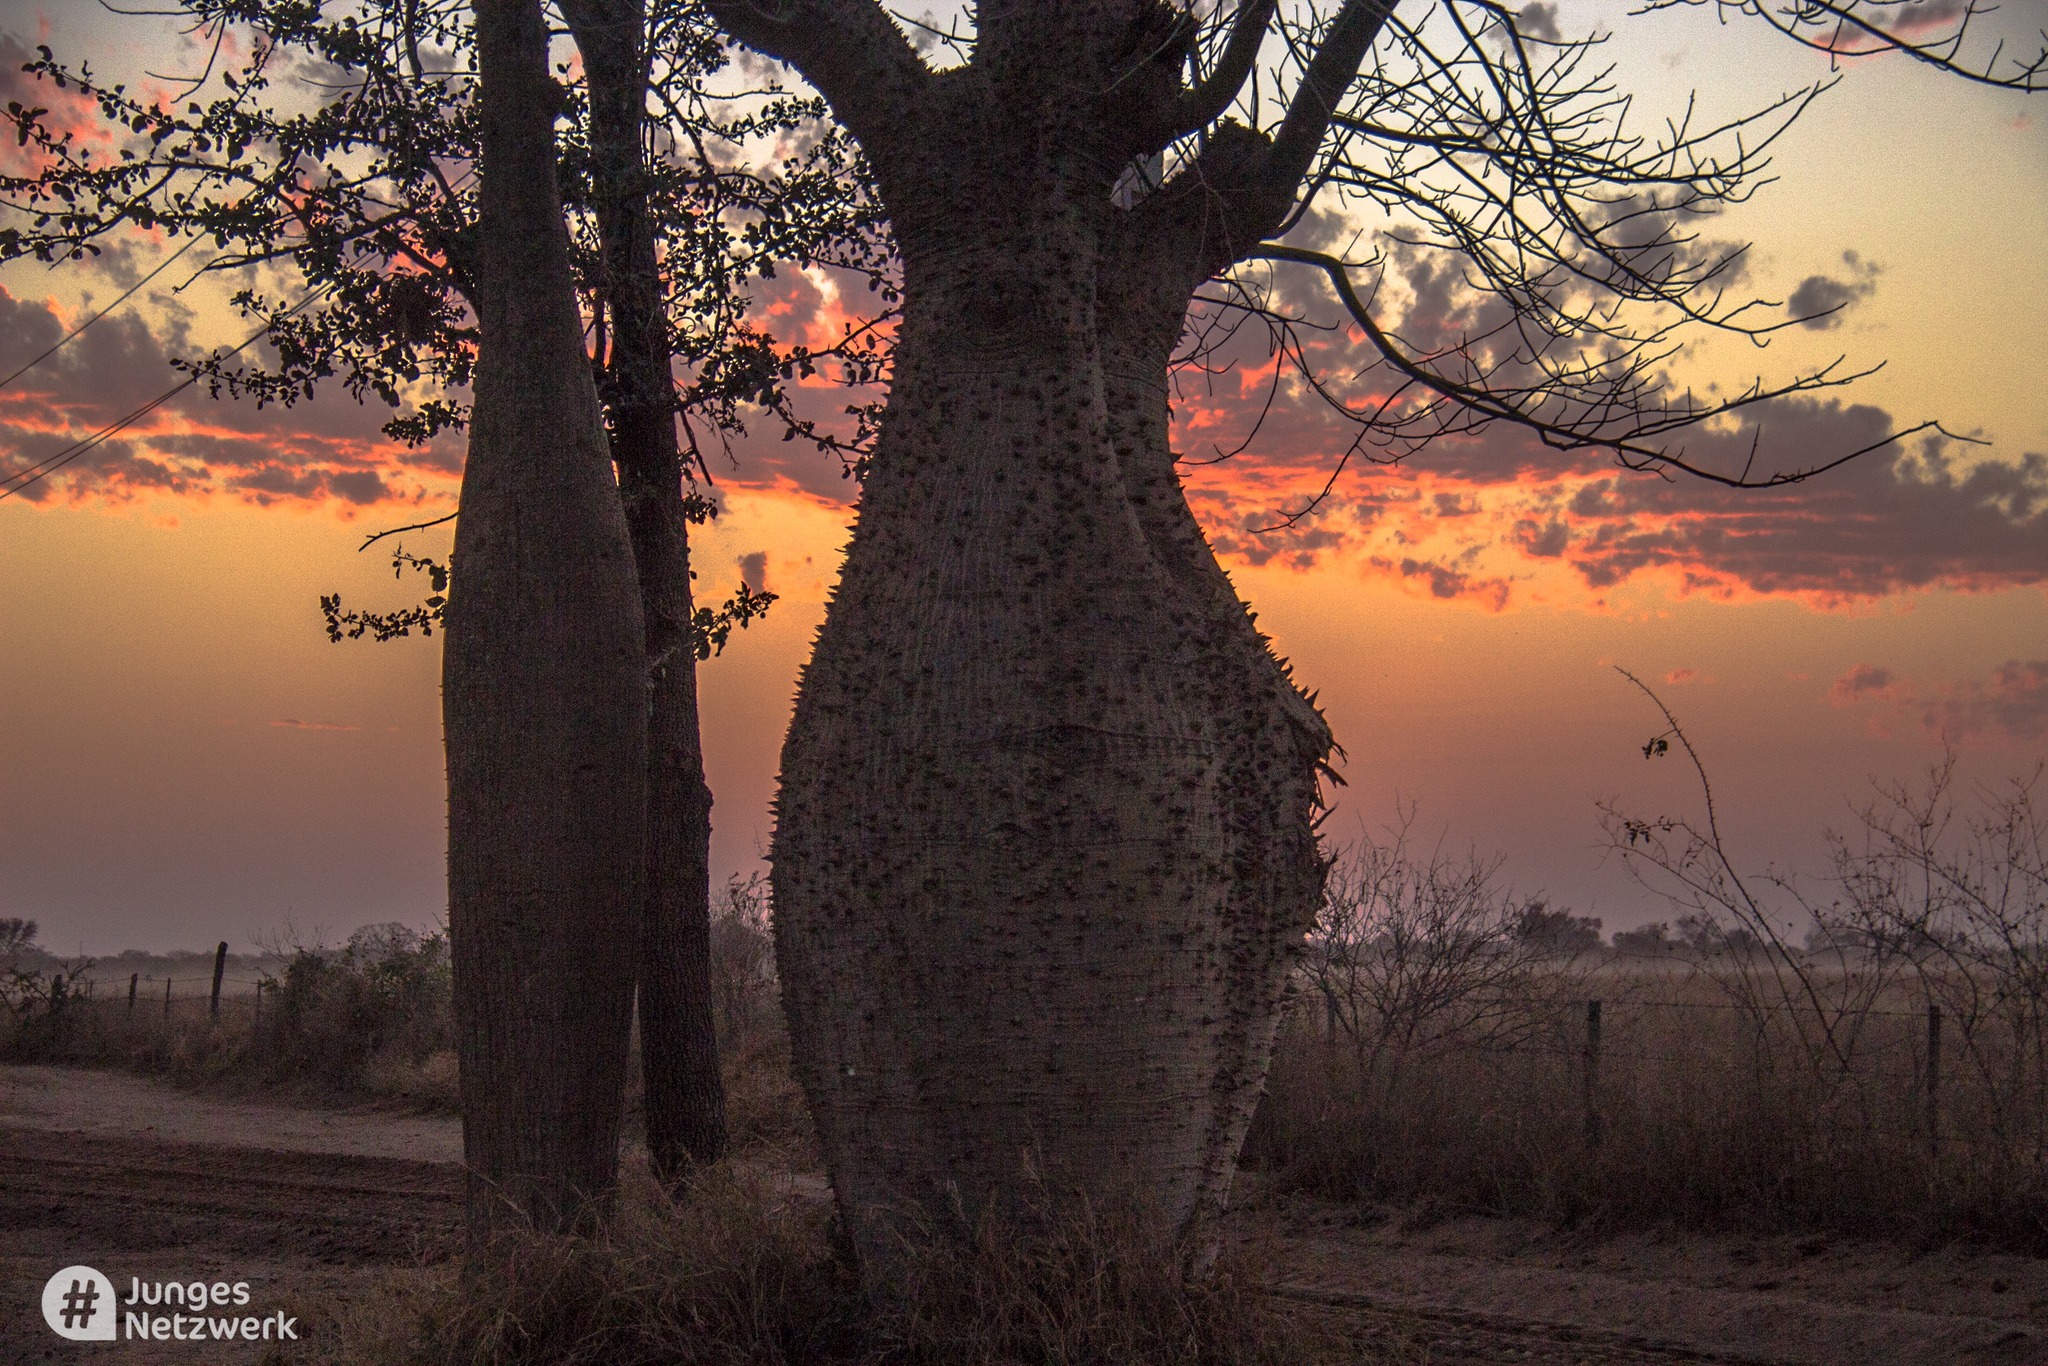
(544, 696)
(1045, 844)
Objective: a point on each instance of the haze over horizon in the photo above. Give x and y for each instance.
(185, 758)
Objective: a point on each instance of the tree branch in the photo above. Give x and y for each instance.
(849, 49)
(1204, 104)
(1315, 102)
(1844, 31)
(1633, 445)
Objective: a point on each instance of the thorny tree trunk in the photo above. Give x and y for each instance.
(685, 1096)
(1045, 839)
(544, 697)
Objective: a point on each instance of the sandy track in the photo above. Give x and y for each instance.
(117, 1105)
(142, 1179)
(129, 1197)
(158, 1203)
(1805, 1301)
(1374, 1330)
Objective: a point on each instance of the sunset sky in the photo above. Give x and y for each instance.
(184, 757)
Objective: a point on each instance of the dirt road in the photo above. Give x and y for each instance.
(149, 1183)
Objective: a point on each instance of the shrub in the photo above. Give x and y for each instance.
(45, 1013)
(372, 1015)
(383, 998)
(17, 940)
(1412, 953)
(1646, 941)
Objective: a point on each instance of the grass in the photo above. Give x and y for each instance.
(1710, 1117)
(740, 1271)
(1748, 1092)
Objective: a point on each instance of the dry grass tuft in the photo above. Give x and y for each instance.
(732, 1272)
(1085, 1282)
(740, 1271)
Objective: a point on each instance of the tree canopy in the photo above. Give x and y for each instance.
(331, 165)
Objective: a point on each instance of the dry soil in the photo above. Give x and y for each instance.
(144, 1180)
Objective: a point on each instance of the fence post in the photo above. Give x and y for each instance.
(220, 965)
(167, 998)
(134, 981)
(1932, 1099)
(1592, 1074)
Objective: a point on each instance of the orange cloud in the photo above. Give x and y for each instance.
(1490, 506)
(191, 446)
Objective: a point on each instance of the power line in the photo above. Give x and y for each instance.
(162, 266)
(49, 465)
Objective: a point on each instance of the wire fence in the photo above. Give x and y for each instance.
(143, 989)
(1665, 1101)
(1907, 1069)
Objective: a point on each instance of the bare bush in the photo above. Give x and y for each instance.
(1741, 930)
(1926, 941)
(742, 954)
(1958, 891)
(1413, 953)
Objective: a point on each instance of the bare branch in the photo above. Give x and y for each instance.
(1597, 406)
(1319, 96)
(1847, 28)
(375, 537)
(849, 49)
(1204, 103)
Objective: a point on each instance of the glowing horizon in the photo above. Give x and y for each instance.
(188, 759)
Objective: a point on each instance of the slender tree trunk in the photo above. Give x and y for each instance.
(685, 1095)
(544, 697)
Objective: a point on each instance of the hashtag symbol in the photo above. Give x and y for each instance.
(78, 1303)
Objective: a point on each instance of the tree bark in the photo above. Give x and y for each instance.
(1044, 842)
(1046, 836)
(685, 1095)
(544, 697)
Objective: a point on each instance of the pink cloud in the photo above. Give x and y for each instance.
(2012, 703)
(1862, 681)
(2010, 706)
(329, 452)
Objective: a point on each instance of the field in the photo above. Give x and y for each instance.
(1489, 1135)
(1464, 1197)
(343, 1217)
